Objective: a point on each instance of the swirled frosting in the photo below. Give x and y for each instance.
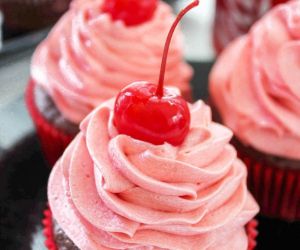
(255, 84)
(110, 191)
(87, 58)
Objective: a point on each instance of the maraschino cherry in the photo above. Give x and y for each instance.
(151, 112)
(132, 12)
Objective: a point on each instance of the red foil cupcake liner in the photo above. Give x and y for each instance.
(276, 189)
(48, 230)
(53, 141)
(216, 43)
(235, 17)
(251, 229)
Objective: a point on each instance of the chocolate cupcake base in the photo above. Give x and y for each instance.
(54, 132)
(50, 112)
(56, 239)
(62, 241)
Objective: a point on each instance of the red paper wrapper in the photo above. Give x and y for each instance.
(235, 17)
(251, 229)
(276, 189)
(53, 141)
(48, 230)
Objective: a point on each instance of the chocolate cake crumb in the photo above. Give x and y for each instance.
(63, 242)
(48, 109)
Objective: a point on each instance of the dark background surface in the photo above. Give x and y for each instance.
(23, 179)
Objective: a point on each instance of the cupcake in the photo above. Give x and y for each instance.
(150, 171)
(96, 49)
(112, 191)
(254, 89)
(235, 17)
(29, 15)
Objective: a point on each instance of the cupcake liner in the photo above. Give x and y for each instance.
(216, 41)
(276, 189)
(251, 229)
(224, 31)
(53, 141)
(48, 230)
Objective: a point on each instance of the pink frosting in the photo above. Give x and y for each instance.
(110, 191)
(88, 58)
(255, 84)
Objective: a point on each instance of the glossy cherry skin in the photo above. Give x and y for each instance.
(132, 12)
(143, 115)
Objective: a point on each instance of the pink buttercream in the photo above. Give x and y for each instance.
(110, 191)
(88, 58)
(255, 84)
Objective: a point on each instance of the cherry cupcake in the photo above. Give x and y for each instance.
(150, 171)
(254, 88)
(97, 48)
(112, 191)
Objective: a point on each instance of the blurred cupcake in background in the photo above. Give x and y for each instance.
(255, 89)
(96, 49)
(235, 17)
(29, 15)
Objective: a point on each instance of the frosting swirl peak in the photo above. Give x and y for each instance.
(110, 191)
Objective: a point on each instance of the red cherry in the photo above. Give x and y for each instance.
(153, 113)
(132, 12)
(143, 115)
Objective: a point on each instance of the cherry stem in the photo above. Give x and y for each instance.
(160, 88)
